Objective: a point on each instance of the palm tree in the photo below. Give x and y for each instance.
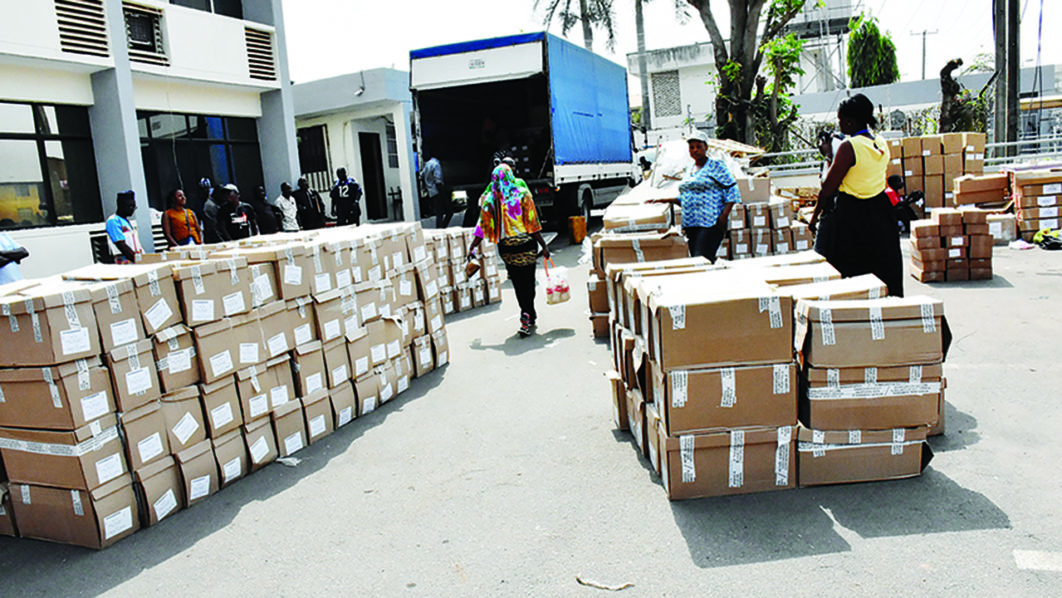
(590, 13)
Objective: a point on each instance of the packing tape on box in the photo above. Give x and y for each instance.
(62, 450)
(52, 388)
(870, 375)
(153, 283)
(855, 437)
(729, 392)
(877, 326)
(773, 306)
(833, 377)
(83, 381)
(173, 344)
(820, 449)
(168, 334)
(112, 299)
(26, 499)
(134, 357)
(5, 309)
(317, 266)
(197, 279)
(678, 317)
(35, 319)
(780, 381)
(737, 459)
(876, 390)
(915, 375)
(929, 323)
(75, 499)
(689, 468)
(874, 293)
(781, 456)
(301, 303)
(637, 246)
(2, 399)
(826, 323)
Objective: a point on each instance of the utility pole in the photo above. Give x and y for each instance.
(1013, 56)
(643, 74)
(999, 24)
(924, 33)
(1005, 20)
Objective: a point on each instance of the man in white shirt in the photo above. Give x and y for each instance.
(289, 221)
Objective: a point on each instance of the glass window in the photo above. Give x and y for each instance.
(168, 126)
(244, 129)
(229, 8)
(23, 201)
(247, 164)
(196, 4)
(16, 118)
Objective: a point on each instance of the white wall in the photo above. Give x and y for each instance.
(21, 82)
(30, 28)
(172, 95)
(54, 250)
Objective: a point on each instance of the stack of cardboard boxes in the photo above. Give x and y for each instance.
(457, 291)
(130, 392)
(759, 229)
(932, 163)
(953, 245)
(1037, 198)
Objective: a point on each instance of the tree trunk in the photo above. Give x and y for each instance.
(588, 32)
(643, 74)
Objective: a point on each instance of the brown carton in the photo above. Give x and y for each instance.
(85, 458)
(947, 217)
(933, 165)
(175, 358)
(337, 363)
(209, 291)
(291, 267)
(290, 428)
(94, 519)
(230, 453)
(336, 313)
(798, 274)
(276, 328)
(759, 216)
(637, 218)
(981, 246)
(117, 313)
(740, 243)
(160, 489)
(423, 359)
(737, 461)
(803, 239)
(927, 273)
(265, 387)
(737, 219)
(199, 472)
(782, 241)
(647, 247)
(134, 374)
(358, 351)
(866, 286)
(952, 143)
(317, 409)
(156, 293)
(996, 182)
(912, 146)
(932, 145)
(860, 456)
(185, 425)
(952, 166)
(891, 331)
(309, 367)
(227, 345)
(388, 381)
(441, 347)
(367, 388)
(221, 406)
(912, 167)
(344, 404)
(873, 398)
(762, 242)
(754, 190)
(64, 397)
(146, 440)
(261, 443)
(47, 324)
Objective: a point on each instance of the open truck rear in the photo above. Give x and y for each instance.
(560, 111)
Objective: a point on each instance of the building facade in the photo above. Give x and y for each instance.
(102, 96)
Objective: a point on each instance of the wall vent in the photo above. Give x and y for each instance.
(261, 59)
(143, 33)
(82, 27)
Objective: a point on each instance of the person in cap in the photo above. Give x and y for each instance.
(123, 241)
(707, 193)
(236, 219)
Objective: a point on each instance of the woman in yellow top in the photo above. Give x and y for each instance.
(866, 238)
(179, 224)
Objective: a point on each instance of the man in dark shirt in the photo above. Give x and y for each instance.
(236, 220)
(309, 205)
(264, 214)
(346, 193)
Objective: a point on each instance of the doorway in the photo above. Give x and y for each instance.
(372, 171)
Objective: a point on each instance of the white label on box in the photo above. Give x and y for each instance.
(877, 326)
(782, 248)
(393, 349)
(263, 290)
(929, 324)
(431, 289)
(233, 303)
(322, 283)
(759, 221)
(248, 352)
(109, 468)
(855, 437)
(678, 317)
(1051, 224)
(232, 470)
(292, 275)
(378, 353)
(737, 459)
(202, 310)
(165, 504)
(763, 249)
(149, 447)
(75, 340)
(221, 363)
(123, 332)
(293, 443)
(332, 330)
(258, 405)
(436, 323)
(1051, 212)
(958, 241)
(197, 279)
(781, 456)
(179, 361)
(826, 322)
(425, 357)
(279, 395)
(361, 366)
(185, 427)
(375, 274)
(317, 426)
(350, 324)
(781, 379)
(1053, 189)
(314, 383)
(679, 388)
(782, 222)
(818, 437)
(138, 381)
(908, 173)
(405, 288)
(346, 415)
(773, 306)
(158, 314)
(356, 270)
(874, 293)
(870, 375)
(117, 522)
(368, 311)
(221, 415)
(729, 391)
(259, 450)
(915, 375)
(387, 392)
(200, 487)
(339, 374)
(926, 153)
(343, 278)
(277, 344)
(443, 359)
(403, 384)
(689, 468)
(801, 245)
(303, 334)
(92, 406)
(955, 252)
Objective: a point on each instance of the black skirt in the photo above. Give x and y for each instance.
(866, 240)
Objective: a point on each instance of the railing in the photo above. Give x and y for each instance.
(1038, 148)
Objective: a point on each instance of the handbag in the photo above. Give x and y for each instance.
(557, 288)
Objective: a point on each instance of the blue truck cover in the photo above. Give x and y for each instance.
(588, 97)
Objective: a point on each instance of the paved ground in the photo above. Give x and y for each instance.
(501, 475)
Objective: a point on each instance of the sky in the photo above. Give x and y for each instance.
(333, 37)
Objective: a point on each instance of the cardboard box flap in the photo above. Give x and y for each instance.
(753, 435)
(333, 295)
(175, 331)
(612, 271)
(823, 376)
(99, 272)
(213, 387)
(307, 348)
(126, 352)
(154, 468)
(227, 437)
(266, 253)
(190, 270)
(286, 408)
(861, 437)
(194, 451)
(216, 327)
(643, 239)
(791, 259)
(103, 290)
(925, 228)
(315, 397)
(37, 374)
(181, 394)
(858, 310)
(100, 427)
(866, 286)
(111, 487)
(1036, 177)
(50, 293)
(140, 412)
(693, 290)
(269, 309)
(253, 426)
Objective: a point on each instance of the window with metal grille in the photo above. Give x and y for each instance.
(667, 99)
(143, 32)
(392, 146)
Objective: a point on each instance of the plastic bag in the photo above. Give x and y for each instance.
(557, 289)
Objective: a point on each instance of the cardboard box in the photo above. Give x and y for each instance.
(1003, 228)
(947, 217)
(175, 358)
(637, 218)
(644, 247)
(737, 219)
(337, 363)
(923, 273)
(185, 425)
(261, 443)
(927, 255)
(738, 461)
(134, 375)
(64, 397)
(146, 440)
(48, 324)
(740, 243)
(884, 332)
(199, 472)
(290, 428)
(275, 327)
(336, 313)
(367, 388)
(226, 345)
(358, 352)
(309, 367)
(782, 241)
(866, 286)
(388, 380)
(860, 456)
(423, 359)
(932, 145)
(209, 291)
(441, 347)
(957, 275)
(933, 165)
(996, 182)
(291, 266)
(230, 454)
(953, 166)
(912, 167)
(762, 242)
(798, 274)
(265, 387)
(759, 216)
(344, 404)
(709, 399)
(301, 320)
(926, 242)
(981, 246)
(93, 519)
(317, 408)
(872, 398)
(754, 190)
(1050, 213)
(85, 458)
(803, 239)
(221, 406)
(933, 187)
(117, 313)
(912, 146)
(952, 143)
(156, 294)
(161, 490)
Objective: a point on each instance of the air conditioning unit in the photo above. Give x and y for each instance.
(143, 32)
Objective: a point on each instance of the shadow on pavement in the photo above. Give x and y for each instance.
(43, 568)
(517, 345)
(996, 282)
(960, 431)
(471, 313)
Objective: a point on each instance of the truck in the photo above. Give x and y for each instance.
(561, 111)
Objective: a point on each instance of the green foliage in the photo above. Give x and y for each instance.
(732, 71)
(970, 113)
(871, 54)
(782, 58)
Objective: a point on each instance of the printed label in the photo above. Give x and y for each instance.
(425, 357)
(124, 332)
(293, 443)
(339, 374)
(200, 487)
(801, 245)
(833, 377)
(689, 468)
(109, 468)
(826, 322)
(729, 392)
(303, 334)
(368, 311)
(915, 374)
(185, 427)
(278, 395)
(179, 361)
(202, 310)
(322, 283)
(292, 275)
(149, 447)
(929, 323)
(158, 314)
(248, 352)
(233, 303)
(221, 363)
(403, 384)
(83, 380)
(678, 317)
(870, 375)
(117, 522)
(26, 495)
(393, 349)
(368, 405)
(75, 499)
(855, 437)
(258, 405)
(780, 381)
(343, 278)
(92, 406)
(436, 323)
(138, 381)
(737, 459)
(361, 366)
(232, 470)
(317, 426)
(387, 392)
(277, 344)
(954, 253)
(75, 340)
(259, 450)
(332, 330)
(818, 436)
(873, 391)
(443, 358)
(314, 383)
(877, 326)
(378, 353)
(221, 415)
(781, 456)
(197, 279)
(165, 504)
(346, 415)
(1052, 189)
